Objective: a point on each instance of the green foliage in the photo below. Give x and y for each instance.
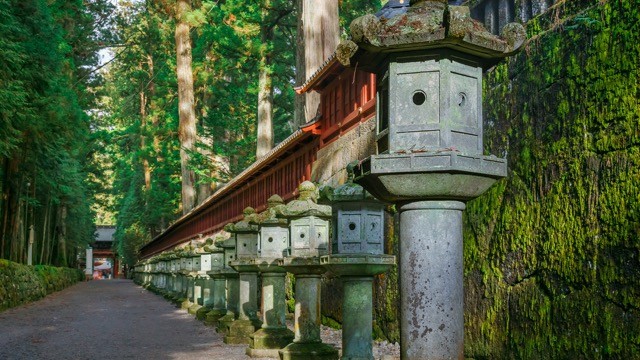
(552, 252)
(48, 49)
(20, 284)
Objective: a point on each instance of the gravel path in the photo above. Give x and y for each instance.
(117, 319)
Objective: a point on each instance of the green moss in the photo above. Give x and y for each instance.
(552, 257)
(20, 284)
(332, 323)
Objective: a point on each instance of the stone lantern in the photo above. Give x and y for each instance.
(189, 277)
(273, 245)
(246, 234)
(199, 260)
(211, 260)
(181, 294)
(174, 279)
(429, 60)
(309, 231)
(171, 275)
(357, 256)
(214, 286)
(231, 287)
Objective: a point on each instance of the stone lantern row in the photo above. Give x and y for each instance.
(218, 281)
(428, 57)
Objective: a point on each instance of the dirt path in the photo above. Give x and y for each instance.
(116, 319)
(111, 319)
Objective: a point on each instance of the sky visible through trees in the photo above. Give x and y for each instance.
(89, 112)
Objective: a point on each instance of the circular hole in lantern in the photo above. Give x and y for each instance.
(419, 97)
(270, 239)
(301, 235)
(462, 99)
(352, 226)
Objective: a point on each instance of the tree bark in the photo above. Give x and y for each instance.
(186, 104)
(62, 236)
(265, 88)
(317, 38)
(143, 140)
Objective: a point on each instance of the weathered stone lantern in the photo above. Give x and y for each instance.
(309, 231)
(171, 275)
(357, 255)
(273, 245)
(181, 295)
(175, 277)
(429, 61)
(232, 288)
(212, 261)
(199, 260)
(189, 277)
(246, 235)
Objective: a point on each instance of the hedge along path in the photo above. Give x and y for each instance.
(20, 284)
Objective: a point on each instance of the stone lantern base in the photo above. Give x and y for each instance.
(307, 350)
(268, 342)
(213, 316)
(241, 330)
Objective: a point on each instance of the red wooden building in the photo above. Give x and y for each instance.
(347, 100)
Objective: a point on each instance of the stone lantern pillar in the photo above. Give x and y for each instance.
(181, 288)
(272, 246)
(309, 239)
(189, 278)
(162, 283)
(171, 275)
(246, 235)
(429, 60)
(232, 288)
(357, 255)
(212, 261)
(174, 267)
(197, 274)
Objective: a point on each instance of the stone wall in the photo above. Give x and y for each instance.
(20, 284)
(357, 144)
(552, 253)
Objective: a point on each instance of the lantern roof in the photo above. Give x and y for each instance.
(426, 25)
(305, 205)
(247, 224)
(275, 206)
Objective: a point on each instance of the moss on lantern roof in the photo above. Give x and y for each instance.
(427, 25)
(247, 224)
(305, 205)
(275, 206)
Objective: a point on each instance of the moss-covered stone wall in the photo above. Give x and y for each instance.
(20, 284)
(552, 253)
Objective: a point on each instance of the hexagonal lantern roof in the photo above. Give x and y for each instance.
(426, 25)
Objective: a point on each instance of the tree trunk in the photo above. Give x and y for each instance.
(265, 88)
(143, 140)
(62, 236)
(186, 104)
(45, 228)
(317, 38)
